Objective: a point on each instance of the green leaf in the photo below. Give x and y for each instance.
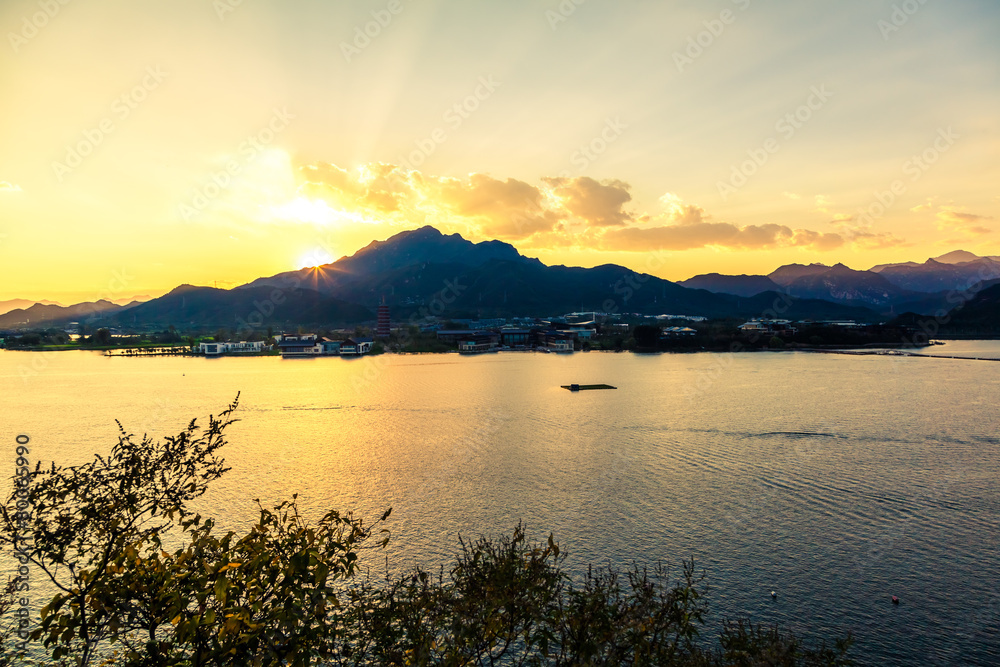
(221, 586)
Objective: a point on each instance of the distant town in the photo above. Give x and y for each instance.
(565, 334)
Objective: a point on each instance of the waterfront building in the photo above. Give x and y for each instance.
(355, 346)
(482, 342)
(515, 337)
(299, 345)
(763, 326)
(242, 347)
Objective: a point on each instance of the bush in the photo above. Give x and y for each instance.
(286, 593)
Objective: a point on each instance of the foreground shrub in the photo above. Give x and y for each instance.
(288, 591)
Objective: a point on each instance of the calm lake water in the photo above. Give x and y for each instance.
(837, 481)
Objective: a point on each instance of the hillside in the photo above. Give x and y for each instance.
(741, 285)
(259, 307)
(978, 316)
(42, 315)
(426, 272)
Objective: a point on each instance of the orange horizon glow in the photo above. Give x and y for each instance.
(260, 143)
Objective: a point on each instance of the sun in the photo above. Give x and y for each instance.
(314, 258)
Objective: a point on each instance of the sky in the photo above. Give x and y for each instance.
(147, 144)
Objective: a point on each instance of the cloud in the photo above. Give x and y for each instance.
(864, 240)
(719, 235)
(556, 212)
(842, 221)
(598, 204)
(377, 187)
(9, 187)
(690, 228)
(950, 218)
(510, 209)
(926, 206)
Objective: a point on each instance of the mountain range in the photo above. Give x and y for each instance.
(14, 304)
(424, 272)
(887, 288)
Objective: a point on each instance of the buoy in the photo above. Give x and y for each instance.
(774, 595)
(895, 600)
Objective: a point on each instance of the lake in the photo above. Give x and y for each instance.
(836, 481)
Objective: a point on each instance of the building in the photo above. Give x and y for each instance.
(329, 347)
(355, 347)
(515, 337)
(212, 349)
(483, 342)
(581, 330)
(762, 326)
(557, 341)
(242, 347)
(245, 347)
(299, 345)
(677, 332)
(382, 329)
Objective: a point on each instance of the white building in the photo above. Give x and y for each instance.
(355, 346)
(242, 347)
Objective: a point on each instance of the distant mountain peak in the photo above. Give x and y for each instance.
(181, 289)
(429, 244)
(742, 285)
(785, 275)
(425, 245)
(956, 257)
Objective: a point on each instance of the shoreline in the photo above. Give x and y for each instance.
(888, 349)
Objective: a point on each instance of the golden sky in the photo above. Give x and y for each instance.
(148, 144)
